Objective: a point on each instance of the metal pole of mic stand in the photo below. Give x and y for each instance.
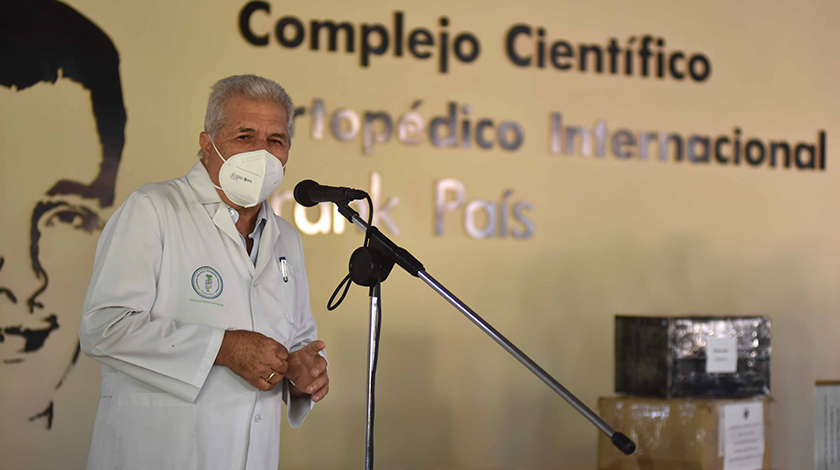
(413, 266)
(519, 355)
(375, 299)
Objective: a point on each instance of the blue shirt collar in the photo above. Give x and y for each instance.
(256, 235)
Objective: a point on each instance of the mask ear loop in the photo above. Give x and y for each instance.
(216, 149)
(220, 156)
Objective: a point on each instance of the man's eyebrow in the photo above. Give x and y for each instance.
(281, 135)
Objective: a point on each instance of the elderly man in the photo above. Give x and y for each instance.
(198, 307)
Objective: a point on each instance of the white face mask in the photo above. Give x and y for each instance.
(248, 178)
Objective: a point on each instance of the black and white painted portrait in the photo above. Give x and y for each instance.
(61, 138)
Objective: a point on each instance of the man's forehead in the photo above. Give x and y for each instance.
(241, 111)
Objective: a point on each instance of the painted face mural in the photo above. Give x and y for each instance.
(59, 166)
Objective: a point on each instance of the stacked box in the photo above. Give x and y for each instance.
(698, 387)
(693, 356)
(687, 433)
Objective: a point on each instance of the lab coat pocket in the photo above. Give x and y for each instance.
(280, 329)
(156, 430)
(280, 291)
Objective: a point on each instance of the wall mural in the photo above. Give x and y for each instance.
(44, 41)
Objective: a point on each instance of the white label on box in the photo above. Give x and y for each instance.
(721, 355)
(743, 436)
(827, 427)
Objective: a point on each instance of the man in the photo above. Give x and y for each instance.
(198, 306)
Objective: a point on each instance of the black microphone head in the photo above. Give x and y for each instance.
(302, 193)
(353, 194)
(623, 443)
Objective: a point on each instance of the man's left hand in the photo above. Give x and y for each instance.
(308, 371)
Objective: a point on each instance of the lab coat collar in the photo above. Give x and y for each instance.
(222, 220)
(200, 181)
(206, 193)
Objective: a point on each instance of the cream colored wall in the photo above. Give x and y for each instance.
(611, 236)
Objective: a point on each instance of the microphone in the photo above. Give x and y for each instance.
(309, 193)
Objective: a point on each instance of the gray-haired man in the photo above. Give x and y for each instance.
(198, 306)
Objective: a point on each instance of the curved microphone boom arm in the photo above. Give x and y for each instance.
(371, 265)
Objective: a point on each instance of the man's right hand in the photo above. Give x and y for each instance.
(258, 359)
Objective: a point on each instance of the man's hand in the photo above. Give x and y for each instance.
(308, 371)
(255, 357)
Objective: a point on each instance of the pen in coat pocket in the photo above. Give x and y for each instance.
(284, 269)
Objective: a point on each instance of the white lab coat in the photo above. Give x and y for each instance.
(164, 405)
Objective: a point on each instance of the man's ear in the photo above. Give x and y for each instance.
(205, 144)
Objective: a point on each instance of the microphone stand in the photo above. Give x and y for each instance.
(373, 345)
(370, 266)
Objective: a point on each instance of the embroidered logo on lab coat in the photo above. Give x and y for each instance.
(207, 282)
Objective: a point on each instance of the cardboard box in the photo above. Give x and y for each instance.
(687, 433)
(692, 356)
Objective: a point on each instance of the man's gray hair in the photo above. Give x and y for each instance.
(247, 86)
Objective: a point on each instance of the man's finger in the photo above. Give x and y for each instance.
(316, 384)
(262, 385)
(316, 346)
(279, 366)
(273, 356)
(319, 366)
(281, 352)
(274, 377)
(320, 394)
